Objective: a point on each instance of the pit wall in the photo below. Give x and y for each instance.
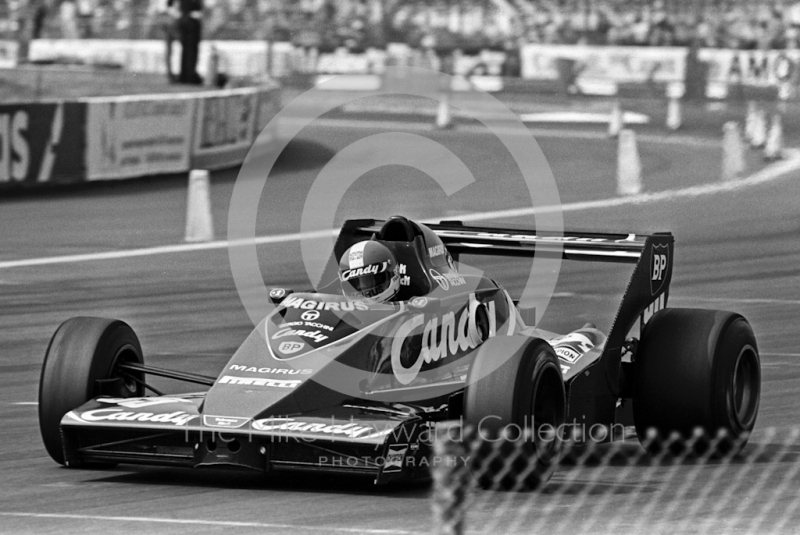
(111, 138)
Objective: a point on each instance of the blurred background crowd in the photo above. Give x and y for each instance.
(360, 24)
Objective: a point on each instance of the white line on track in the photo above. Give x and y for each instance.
(744, 301)
(695, 299)
(672, 139)
(773, 172)
(196, 522)
(582, 117)
(771, 354)
(163, 249)
(688, 141)
(25, 403)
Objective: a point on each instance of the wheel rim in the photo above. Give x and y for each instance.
(745, 388)
(548, 413)
(128, 387)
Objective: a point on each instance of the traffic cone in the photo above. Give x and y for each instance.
(750, 120)
(759, 135)
(199, 225)
(674, 115)
(785, 91)
(444, 116)
(733, 163)
(615, 120)
(629, 166)
(774, 148)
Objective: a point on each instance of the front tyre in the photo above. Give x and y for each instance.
(83, 357)
(698, 374)
(518, 412)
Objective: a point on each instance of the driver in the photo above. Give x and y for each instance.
(368, 270)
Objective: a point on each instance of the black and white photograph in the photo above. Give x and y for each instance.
(399, 267)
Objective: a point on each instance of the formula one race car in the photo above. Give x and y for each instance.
(335, 384)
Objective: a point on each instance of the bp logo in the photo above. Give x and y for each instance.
(659, 265)
(288, 348)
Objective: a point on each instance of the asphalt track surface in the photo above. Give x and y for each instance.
(735, 250)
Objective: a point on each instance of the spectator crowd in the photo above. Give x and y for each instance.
(358, 24)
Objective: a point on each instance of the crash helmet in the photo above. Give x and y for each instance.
(368, 270)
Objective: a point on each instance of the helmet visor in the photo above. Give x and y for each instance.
(368, 285)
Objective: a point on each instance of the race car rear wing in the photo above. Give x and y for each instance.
(626, 248)
(493, 241)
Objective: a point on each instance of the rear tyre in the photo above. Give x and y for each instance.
(697, 382)
(517, 411)
(81, 360)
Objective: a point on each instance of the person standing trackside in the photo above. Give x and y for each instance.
(167, 14)
(190, 25)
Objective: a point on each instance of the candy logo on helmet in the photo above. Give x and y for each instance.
(373, 269)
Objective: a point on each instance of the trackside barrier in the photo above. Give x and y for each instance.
(108, 138)
(226, 124)
(132, 136)
(42, 143)
(618, 487)
(772, 73)
(236, 58)
(600, 70)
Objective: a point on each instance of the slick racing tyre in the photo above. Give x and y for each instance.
(697, 373)
(83, 357)
(517, 414)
